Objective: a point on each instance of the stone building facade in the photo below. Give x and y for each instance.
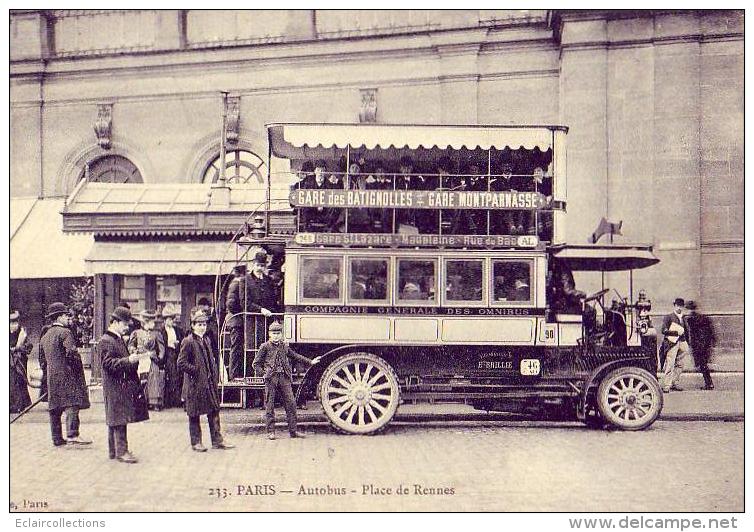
(653, 100)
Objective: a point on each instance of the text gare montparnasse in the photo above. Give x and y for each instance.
(417, 199)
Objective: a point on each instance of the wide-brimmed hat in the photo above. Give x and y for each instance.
(146, 315)
(14, 315)
(679, 302)
(199, 315)
(276, 326)
(121, 314)
(55, 310)
(168, 311)
(691, 305)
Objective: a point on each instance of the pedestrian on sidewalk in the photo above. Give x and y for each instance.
(66, 385)
(200, 381)
(271, 362)
(124, 397)
(20, 347)
(147, 343)
(675, 346)
(172, 335)
(701, 334)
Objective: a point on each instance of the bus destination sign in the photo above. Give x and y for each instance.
(419, 199)
(420, 240)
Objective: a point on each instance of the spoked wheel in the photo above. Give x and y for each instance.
(359, 393)
(629, 398)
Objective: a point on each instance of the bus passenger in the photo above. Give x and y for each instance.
(406, 219)
(317, 218)
(382, 219)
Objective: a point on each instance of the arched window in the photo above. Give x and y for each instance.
(241, 166)
(112, 169)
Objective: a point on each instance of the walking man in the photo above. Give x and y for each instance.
(66, 384)
(272, 363)
(701, 335)
(198, 363)
(675, 346)
(124, 397)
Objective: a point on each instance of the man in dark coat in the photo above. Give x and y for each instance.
(271, 362)
(66, 385)
(172, 335)
(701, 335)
(20, 347)
(124, 397)
(200, 383)
(675, 345)
(235, 322)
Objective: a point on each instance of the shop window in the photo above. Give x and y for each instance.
(132, 291)
(320, 278)
(368, 280)
(511, 281)
(463, 281)
(112, 169)
(416, 280)
(168, 294)
(241, 166)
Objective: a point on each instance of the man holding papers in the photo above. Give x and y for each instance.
(674, 345)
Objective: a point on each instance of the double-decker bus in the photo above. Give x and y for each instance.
(429, 263)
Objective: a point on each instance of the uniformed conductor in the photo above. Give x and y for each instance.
(272, 363)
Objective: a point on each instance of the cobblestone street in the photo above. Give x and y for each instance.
(482, 465)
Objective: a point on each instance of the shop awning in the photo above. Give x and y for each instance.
(38, 247)
(609, 258)
(294, 141)
(161, 258)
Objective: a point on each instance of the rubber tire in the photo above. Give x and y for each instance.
(607, 414)
(361, 357)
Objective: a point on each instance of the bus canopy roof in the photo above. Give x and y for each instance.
(606, 257)
(297, 141)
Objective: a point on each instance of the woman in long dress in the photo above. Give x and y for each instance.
(20, 347)
(145, 342)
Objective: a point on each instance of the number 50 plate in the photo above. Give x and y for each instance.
(530, 366)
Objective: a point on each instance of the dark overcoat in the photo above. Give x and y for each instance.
(120, 382)
(200, 378)
(701, 335)
(66, 384)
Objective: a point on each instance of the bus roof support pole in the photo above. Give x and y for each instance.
(489, 188)
(347, 183)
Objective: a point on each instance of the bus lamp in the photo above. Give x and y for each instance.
(257, 226)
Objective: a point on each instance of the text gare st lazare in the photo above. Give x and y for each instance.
(417, 199)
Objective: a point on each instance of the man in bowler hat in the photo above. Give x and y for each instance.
(124, 397)
(701, 334)
(66, 385)
(675, 346)
(271, 362)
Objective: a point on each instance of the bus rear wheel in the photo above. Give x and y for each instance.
(629, 398)
(359, 393)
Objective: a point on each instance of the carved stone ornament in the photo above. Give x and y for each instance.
(233, 118)
(103, 125)
(368, 111)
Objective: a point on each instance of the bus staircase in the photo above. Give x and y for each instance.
(246, 391)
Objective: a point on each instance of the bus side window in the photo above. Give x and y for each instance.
(511, 281)
(463, 280)
(368, 280)
(416, 280)
(320, 278)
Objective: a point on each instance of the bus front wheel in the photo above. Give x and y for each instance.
(629, 398)
(359, 393)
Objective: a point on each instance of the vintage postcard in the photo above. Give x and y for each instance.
(322, 260)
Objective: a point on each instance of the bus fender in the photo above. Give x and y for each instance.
(308, 388)
(593, 379)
